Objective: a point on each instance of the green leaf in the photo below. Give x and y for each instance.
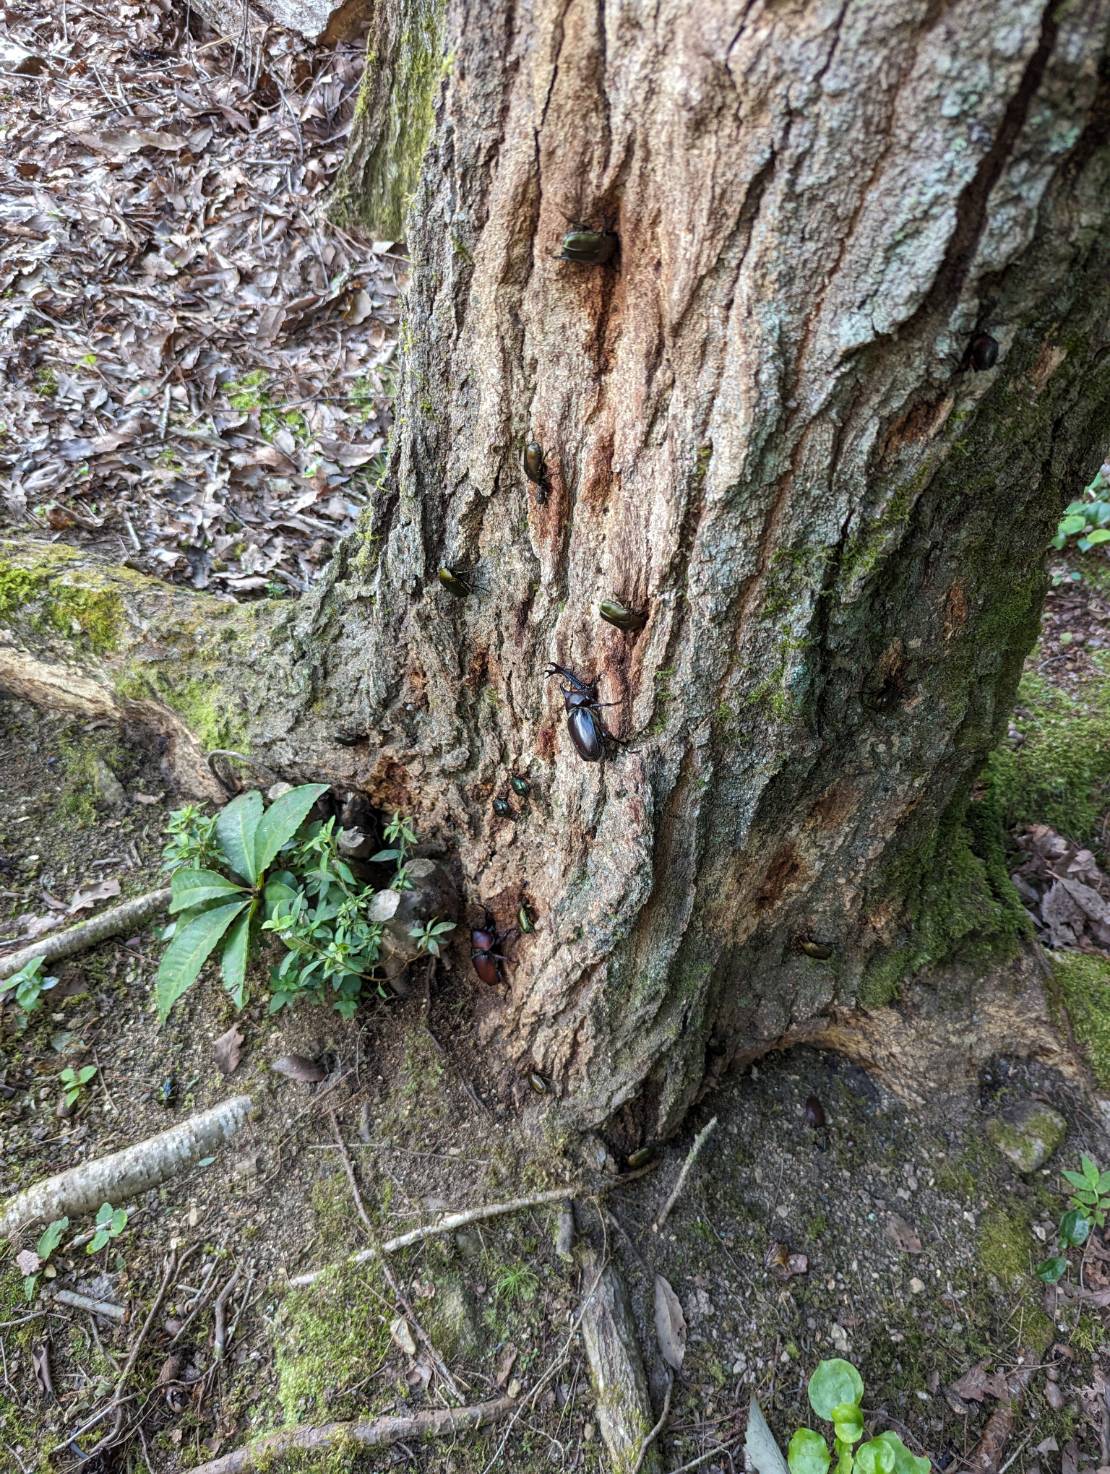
(190, 888)
(233, 963)
(763, 1452)
(904, 1461)
(1100, 535)
(281, 821)
(834, 1384)
(807, 1453)
(119, 1221)
(278, 893)
(51, 1237)
(97, 1242)
(235, 829)
(1069, 526)
(847, 1421)
(382, 856)
(1074, 1229)
(1051, 1270)
(188, 952)
(875, 1457)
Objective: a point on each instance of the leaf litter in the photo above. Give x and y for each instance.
(198, 374)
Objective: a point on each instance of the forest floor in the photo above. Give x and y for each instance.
(200, 372)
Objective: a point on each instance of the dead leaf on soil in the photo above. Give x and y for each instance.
(670, 1324)
(40, 1360)
(902, 1235)
(783, 1264)
(402, 1336)
(297, 1067)
(100, 891)
(978, 1383)
(505, 1364)
(226, 1050)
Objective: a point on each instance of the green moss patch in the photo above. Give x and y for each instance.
(1081, 986)
(1059, 773)
(51, 592)
(330, 1339)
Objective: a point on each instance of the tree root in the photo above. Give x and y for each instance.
(624, 1412)
(377, 1434)
(126, 1173)
(134, 913)
(691, 1157)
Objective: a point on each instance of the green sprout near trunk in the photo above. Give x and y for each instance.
(836, 1395)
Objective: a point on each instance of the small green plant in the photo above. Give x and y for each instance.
(401, 837)
(48, 1241)
(1088, 518)
(192, 839)
(110, 1223)
(74, 1082)
(28, 985)
(836, 1394)
(516, 1283)
(1089, 1205)
(428, 935)
(313, 905)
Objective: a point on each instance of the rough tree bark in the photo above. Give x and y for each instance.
(763, 430)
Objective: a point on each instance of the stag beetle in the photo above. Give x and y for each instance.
(584, 722)
(483, 940)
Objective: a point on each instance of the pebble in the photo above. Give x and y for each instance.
(916, 1286)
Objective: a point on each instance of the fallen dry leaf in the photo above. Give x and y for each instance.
(902, 1235)
(226, 1049)
(402, 1336)
(100, 891)
(670, 1324)
(978, 1383)
(297, 1067)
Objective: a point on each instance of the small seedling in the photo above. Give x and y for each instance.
(401, 837)
(516, 1283)
(1089, 1205)
(836, 1394)
(1088, 519)
(29, 985)
(429, 935)
(48, 1241)
(110, 1223)
(74, 1082)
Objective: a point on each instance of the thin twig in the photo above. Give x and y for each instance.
(691, 1157)
(387, 1274)
(722, 1448)
(86, 1302)
(655, 1432)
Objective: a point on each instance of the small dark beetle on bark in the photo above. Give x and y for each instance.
(520, 786)
(525, 921)
(820, 951)
(484, 940)
(584, 723)
(502, 808)
(982, 352)
(588, 247)
(532, 463)
(453, 582)
(614, 612)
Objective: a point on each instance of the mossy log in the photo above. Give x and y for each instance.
(624, 1411)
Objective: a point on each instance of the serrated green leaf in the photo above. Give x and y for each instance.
(807, 1453)
(190, 888)
(835, 1383)
(236, 828)
(281, 821)
(904, 1461)
(188, 952)
(233, 961)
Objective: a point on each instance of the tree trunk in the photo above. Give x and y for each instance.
(770, 426)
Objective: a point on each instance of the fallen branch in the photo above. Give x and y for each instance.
(134, 913)
(655, 1432)
(378, 1434)
(452, 1221)
(624, 1411)
(128, 1172)
(694, 1153)
(76, 1301)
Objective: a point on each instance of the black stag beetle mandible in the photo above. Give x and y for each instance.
(584, 721)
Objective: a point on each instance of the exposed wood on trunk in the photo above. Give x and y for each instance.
(111, 923)
(125, 1173)
(624, 1411)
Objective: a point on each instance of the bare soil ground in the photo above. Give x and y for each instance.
(919, 1239)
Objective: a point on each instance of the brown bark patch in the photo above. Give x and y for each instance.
(834, 806)
(786, 872)
(1048, 361)
(920, 422)
(955, 610)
